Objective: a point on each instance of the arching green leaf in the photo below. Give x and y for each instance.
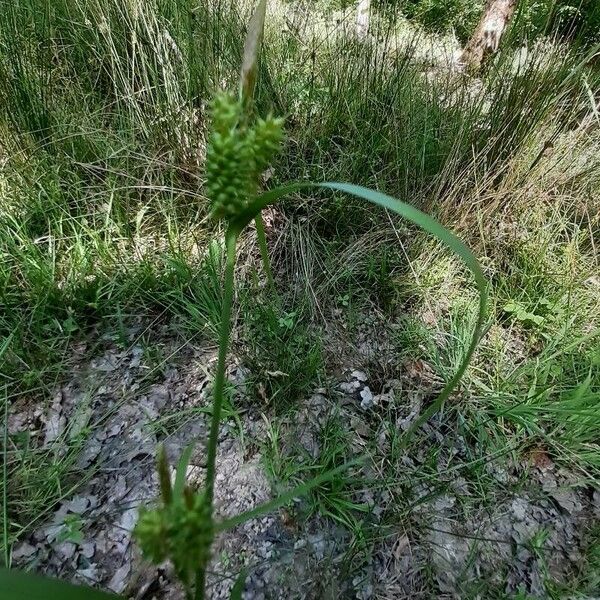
(422, 220)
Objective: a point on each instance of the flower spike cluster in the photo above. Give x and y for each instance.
(180, 529)
(237, 155)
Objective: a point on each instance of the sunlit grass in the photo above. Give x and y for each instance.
(103, 215)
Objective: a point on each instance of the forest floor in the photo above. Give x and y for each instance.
(443, 518)
(111, 292)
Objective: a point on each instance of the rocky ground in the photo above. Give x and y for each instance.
(431, 532)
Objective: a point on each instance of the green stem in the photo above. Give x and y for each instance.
(264, 250)
(200, 584)
(5, 484)
(230, 242)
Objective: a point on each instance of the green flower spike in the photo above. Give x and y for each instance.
(181, 529)
(191, 533)
(150, 531)
(237, 156)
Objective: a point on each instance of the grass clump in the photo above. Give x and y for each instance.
(111, 170)
(289, 462)
(283, 353)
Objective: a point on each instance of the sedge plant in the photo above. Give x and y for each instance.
(239, 151)
(240, 148)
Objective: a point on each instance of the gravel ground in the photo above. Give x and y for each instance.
(445, 540)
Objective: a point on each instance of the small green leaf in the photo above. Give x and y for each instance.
(71, 530)
(522, 314)
(70, 325)
(18, 585)
(287, 321)
(180, 476)
(511, 307)
(537, 319)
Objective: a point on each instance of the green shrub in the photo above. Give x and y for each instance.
(570, 19)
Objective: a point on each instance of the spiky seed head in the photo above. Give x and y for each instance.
(237, 155)
(191, 533)
(151, 530)
(182, 531)
(268, 136)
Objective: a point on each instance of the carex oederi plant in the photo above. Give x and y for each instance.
(182, 526)
(240, 148)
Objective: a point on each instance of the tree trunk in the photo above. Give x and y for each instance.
(486, 39)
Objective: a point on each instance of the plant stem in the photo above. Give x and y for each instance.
(200, 584)
(264, 251)
(5, 484)
(230, 242)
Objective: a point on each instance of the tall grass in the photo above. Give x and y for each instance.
(102, 125)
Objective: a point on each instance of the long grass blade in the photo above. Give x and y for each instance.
(180, 477)
(17, 585)
(283, 499)
(425, 222)
(238, 587)
(251, 52)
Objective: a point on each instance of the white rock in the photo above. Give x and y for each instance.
(360, 375)
(367, 398)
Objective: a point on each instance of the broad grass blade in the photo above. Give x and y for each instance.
(18, 585)
(425, 222)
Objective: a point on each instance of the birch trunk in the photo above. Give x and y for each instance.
(486, 39)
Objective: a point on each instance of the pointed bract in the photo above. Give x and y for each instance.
(252, 44)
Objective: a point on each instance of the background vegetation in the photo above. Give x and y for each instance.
(569, 18)
(103, 218)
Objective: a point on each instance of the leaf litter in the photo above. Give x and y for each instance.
(522, 536)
